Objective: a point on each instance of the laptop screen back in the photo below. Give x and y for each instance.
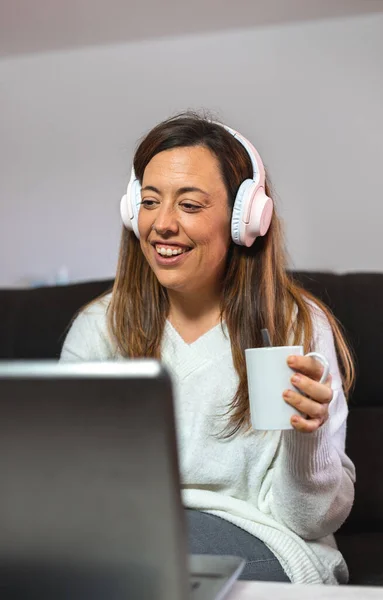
(89, 498)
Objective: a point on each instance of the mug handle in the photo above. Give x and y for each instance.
(326, 367)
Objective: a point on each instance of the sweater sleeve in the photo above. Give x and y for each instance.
(311, 490)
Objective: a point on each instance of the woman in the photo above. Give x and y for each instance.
(195, 285)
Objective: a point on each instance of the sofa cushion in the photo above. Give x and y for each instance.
(363, 555)
(364, 447)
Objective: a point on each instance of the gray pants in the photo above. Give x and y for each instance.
(209, 534)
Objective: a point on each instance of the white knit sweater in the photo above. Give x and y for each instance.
(289, 489)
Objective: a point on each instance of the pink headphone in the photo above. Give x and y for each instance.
(252, 210)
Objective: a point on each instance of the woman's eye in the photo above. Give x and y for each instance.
(190, 207)
(149, 203)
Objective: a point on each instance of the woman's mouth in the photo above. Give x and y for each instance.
(170, 254)
(165, 250)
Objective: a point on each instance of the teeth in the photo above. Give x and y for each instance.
(169, 251)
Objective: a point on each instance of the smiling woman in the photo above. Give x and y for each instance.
(201, 272)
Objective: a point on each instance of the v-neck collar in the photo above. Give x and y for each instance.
(185, 358)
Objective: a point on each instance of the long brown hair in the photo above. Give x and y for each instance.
(257, 293)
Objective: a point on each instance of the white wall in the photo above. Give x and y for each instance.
(310, 96)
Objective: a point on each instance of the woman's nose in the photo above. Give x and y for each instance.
(165, 221)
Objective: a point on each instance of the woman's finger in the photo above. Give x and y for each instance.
(307, 365)
(305, 425)
(311, 408)
(320, 392)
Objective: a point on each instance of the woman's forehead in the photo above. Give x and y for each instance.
(194, 161)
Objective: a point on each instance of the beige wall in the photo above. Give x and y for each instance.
(310, 96)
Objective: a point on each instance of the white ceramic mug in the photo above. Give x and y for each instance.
(268, 376)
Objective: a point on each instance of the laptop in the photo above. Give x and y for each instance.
(90, 504)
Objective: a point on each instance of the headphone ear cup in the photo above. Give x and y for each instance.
(125, 212)
(265, 208)
(135, 195)
(130, 206)
(239, 209)
(258, 217)
(252, 212)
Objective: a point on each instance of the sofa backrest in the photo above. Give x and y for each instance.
(34, 322)
(357, 301)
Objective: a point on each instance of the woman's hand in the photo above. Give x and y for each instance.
(314, 398)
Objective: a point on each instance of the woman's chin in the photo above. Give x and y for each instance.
(175, 284)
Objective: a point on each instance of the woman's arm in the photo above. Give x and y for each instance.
(312, 485)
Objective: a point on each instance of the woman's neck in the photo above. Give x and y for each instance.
(192, 315)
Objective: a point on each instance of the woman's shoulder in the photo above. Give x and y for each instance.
(98, 307)
(322, 338)
(88, 337)
(93, 316)
(318, 316)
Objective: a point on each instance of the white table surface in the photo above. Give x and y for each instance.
(254, 590)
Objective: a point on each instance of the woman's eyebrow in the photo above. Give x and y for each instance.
(150, 188)
(180, 191)
(187, 189)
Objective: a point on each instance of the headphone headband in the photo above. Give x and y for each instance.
(256, 161)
